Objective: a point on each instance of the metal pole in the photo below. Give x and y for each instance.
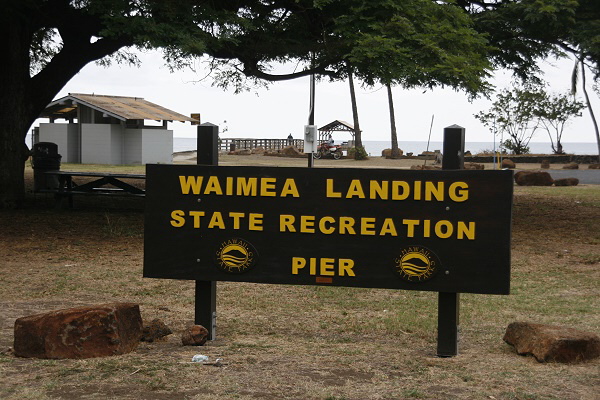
(449, 302)
(311, 115)
(205, 307)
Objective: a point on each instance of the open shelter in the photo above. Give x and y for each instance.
(109, 129)
(335, 126)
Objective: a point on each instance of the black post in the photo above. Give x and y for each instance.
(205, 307)
(311, 116)
(449, 302)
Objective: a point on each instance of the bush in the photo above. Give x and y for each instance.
(358, 153)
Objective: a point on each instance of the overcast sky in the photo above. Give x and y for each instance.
(283, 108)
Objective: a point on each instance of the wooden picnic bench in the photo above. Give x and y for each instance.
(106, 184)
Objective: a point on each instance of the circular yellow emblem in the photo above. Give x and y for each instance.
(236, 256)
(416, 264)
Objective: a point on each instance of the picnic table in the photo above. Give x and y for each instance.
(106, 184)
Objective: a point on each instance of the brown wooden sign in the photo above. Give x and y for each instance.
(445, 231)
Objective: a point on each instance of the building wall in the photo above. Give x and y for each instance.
(147, 146)
(101, 144)
(66, 136)
(157, 146)
(132, 146)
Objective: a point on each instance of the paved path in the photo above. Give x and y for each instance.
(586, 176)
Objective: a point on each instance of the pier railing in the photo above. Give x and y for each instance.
(267, 144)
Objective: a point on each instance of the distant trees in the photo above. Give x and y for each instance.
(554, 112)
(519, 112)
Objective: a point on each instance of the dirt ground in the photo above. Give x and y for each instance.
(298, 342)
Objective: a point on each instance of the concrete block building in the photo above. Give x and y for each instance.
(102, 129)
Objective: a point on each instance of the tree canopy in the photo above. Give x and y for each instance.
(408, 42)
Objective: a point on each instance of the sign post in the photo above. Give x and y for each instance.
(205, 304)
(449, 302)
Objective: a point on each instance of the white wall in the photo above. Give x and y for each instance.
(65, 136)
(109, 143)
(99, 142)
(132, 146)
(157, 146)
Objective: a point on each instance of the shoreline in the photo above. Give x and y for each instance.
(189, 157)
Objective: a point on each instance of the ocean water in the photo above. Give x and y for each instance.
(374, 148)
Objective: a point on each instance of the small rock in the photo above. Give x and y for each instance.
(571, 166)
(549, 343)
(387, 153)
(472, 165)
(81, 332)
(156, 330)
(533, 178)
(566, 182)
(594, 166)
(425, 167)
(291, 151)
(508, 163)
(545, 164)
(195, 335)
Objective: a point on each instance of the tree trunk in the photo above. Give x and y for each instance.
(589, 106)
(357, 134)
(395, 149)
(15, 112)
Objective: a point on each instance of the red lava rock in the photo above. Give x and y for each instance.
(157, 329)
(549, 343)
(533, 178)
(566, 182)
(474, 166)
(508, 163)
(81, 332)
(195, 335)
(571, 166)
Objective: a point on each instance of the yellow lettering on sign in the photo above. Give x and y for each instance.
(388, 227)
(177, 219)
(297, 264)
(213, 186)
(192, 183)
(255, 223)
(355, 189)
(465, 230)
(345, 267)
(216, 221)
(410, 226)
(330, 192)
(347, 224)
(400, 190)
(286, 223)
(307, 224)
(443, 229)
(367, 226)
(325, 225)
(196, 215)
(247, 186)
(458, 191)
(326, 266)
(236, 219)
(267, 187)
(289, 188)
(378, 189)
(431, 190)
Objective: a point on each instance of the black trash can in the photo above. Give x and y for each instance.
(44, 158)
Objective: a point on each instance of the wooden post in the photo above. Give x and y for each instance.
(205, 308)
(449, 302)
